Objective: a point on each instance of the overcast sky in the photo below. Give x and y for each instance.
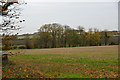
(72, 0)
(101, 14)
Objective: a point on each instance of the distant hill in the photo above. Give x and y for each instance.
(24, 35)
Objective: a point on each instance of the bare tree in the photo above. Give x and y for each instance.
(81, 29)
(54, 30)
(66, 31)
(45, 35)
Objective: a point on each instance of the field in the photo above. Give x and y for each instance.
(78, 62)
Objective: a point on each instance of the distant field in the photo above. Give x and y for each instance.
(79, 62)
(23, 37)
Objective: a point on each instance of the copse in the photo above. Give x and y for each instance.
(50, 35)
(56, 35)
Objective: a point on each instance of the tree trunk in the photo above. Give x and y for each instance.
(5, 57)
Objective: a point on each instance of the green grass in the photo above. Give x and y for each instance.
(73, 75)
(67, 65)
(116, 35)
(23, 37)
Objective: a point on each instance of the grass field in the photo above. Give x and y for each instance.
(79, 62)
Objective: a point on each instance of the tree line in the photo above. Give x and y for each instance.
(57, 35)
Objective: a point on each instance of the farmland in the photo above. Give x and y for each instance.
(78, 62)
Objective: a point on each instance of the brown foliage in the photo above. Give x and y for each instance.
(29, 43)
(7, 42)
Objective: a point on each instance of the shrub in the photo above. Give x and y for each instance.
(7, 42)
(6, 47)
(22, 47)
(30, 45)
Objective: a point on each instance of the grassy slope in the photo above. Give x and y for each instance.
(66, 63)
